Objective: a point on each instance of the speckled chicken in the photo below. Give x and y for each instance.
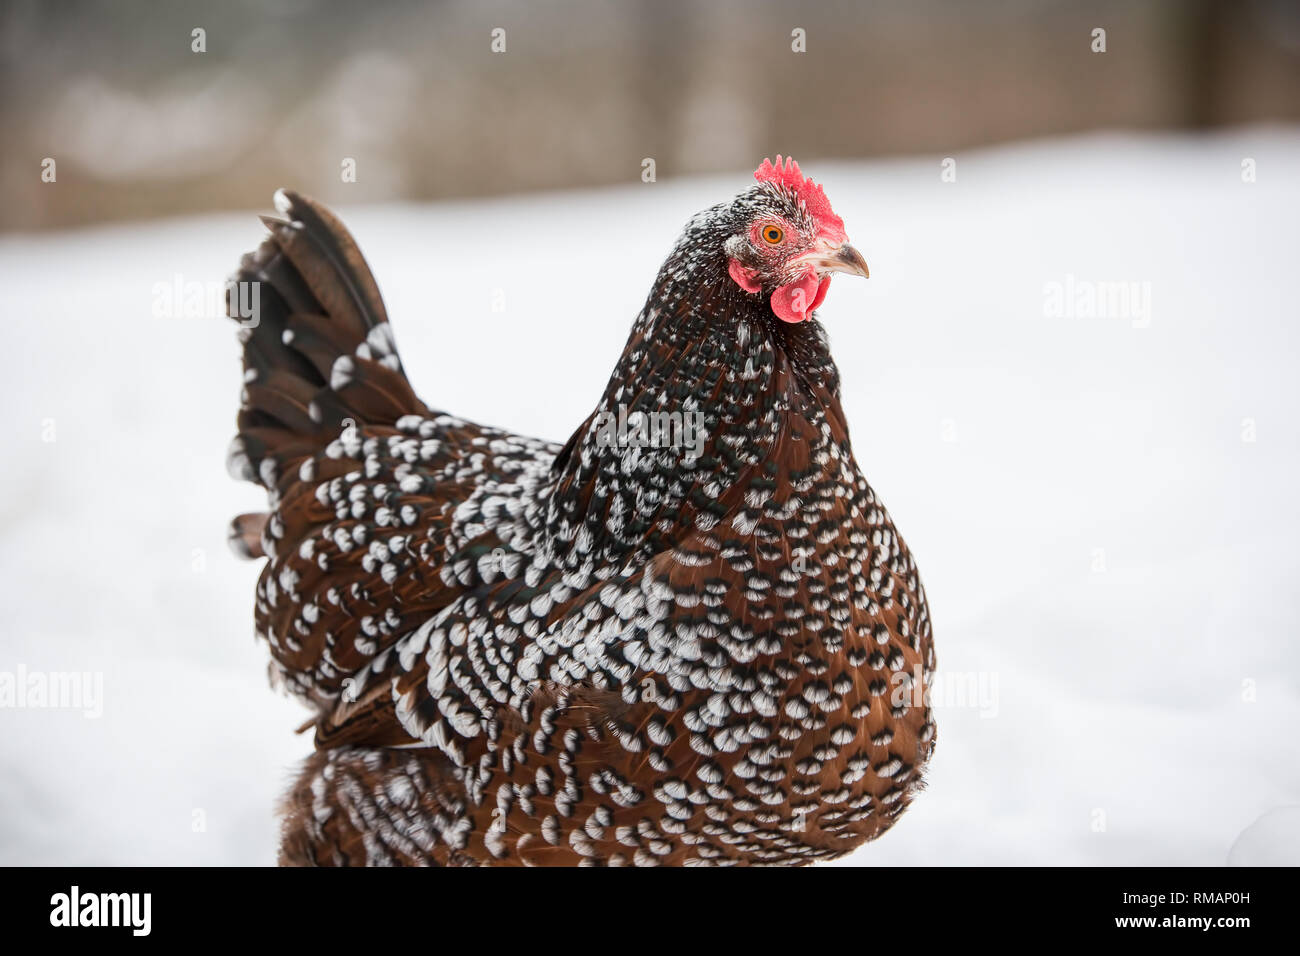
(688, 636)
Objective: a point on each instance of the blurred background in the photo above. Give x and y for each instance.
(1099, 491)
(141, 125)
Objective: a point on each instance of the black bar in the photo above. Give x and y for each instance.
(381, 908)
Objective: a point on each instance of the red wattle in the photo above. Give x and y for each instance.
(822, 288)
(793, 301)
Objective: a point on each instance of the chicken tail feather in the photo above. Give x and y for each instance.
(319, 355)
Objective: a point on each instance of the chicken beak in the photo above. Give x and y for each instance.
(847, 259)
(842, 258)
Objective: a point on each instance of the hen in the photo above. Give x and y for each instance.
(690, 635)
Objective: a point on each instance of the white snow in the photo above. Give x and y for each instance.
(1108, 559)
(1269, 841)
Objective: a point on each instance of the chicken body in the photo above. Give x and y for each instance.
(601, 653)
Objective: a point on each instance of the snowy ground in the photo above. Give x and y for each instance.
(1110, 557)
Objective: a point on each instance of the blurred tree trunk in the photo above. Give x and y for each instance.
(1205, 27)
(665, 28)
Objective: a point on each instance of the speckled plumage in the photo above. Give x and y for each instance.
(522, 653)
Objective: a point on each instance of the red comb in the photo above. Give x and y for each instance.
(814, 198)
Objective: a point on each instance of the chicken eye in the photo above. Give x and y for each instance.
(772, 234)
